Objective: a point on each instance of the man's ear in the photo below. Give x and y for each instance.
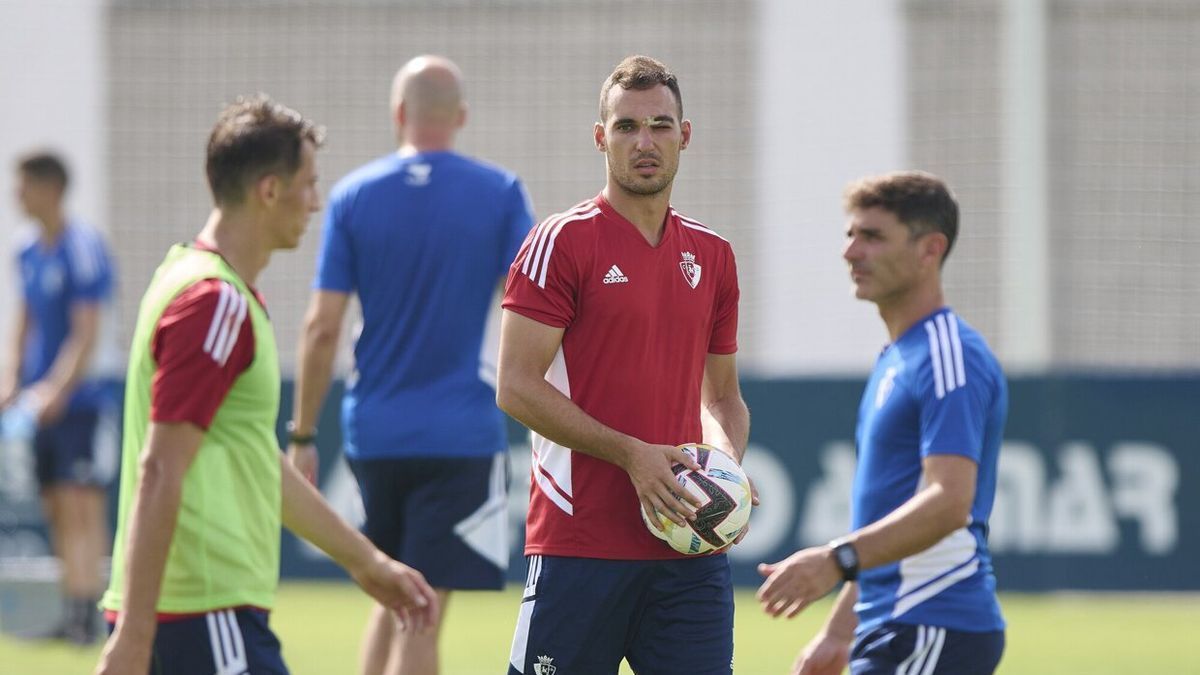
(268, 188)
(934, 246)
(598, 135)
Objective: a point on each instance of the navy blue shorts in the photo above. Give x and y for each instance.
(224, 641)
(66, 452)
(445, 517)
(582, 616)
(900, 649)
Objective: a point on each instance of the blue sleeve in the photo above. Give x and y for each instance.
(335, 261)
(954, 422)
(91, 268)
(21, 279)
(518, 220)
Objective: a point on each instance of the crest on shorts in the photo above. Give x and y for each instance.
(691, 271)
(543, 666)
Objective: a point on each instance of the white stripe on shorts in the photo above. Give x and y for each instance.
(935, 652)
(926, 652)
(520, 643)
(228, 648)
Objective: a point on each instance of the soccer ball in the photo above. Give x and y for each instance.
(723, 486)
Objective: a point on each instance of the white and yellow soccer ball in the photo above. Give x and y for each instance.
(725, 491)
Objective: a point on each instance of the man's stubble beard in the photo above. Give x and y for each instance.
(630, 183)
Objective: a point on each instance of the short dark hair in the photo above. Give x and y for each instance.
(255, 137)
(919, 200)
(640, 73)
(44, 166)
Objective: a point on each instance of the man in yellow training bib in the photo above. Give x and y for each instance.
(204, 486)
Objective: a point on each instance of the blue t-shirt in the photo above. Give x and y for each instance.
(76, 269)
(424, 241)
(938, 389)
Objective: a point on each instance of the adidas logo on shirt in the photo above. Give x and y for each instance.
(615, 276)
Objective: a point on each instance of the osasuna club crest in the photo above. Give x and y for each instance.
(543, 666)
(691, 271)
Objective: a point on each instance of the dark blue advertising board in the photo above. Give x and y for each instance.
(1099, 482)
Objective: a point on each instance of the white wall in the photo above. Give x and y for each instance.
(831, 108)
(52, 94)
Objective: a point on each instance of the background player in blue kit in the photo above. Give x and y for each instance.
(424, 237)
(66, 281)
(916, 564)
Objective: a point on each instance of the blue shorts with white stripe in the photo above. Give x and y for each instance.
(439, 515)
(583, 616)
(904, 649)
(221, 642)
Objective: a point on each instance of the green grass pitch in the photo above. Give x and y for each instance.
(1056, 634)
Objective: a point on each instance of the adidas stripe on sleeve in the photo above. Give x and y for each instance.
(946, 354)
(955, 396)
(535, 260)
(542, 281)
(203, 341)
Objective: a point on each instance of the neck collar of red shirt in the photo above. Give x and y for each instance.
(668, 221)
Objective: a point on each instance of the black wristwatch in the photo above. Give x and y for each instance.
(300, 439)
(845, 556)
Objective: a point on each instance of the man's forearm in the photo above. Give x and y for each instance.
(69, 367)
(924, 520)
(318, 347)
(842, 622)
(76, 352)
(548, 412)
(726, 424)
(306, 513)
(16, 356)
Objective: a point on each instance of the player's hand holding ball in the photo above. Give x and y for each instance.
(649, 469)
(723, 494)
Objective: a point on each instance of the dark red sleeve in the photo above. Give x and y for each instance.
(203, 342)
(723, 339)
(543, 280)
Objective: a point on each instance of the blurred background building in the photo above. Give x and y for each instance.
(1068, 129)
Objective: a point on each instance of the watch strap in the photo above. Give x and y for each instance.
(300, 439)
(845, 556)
